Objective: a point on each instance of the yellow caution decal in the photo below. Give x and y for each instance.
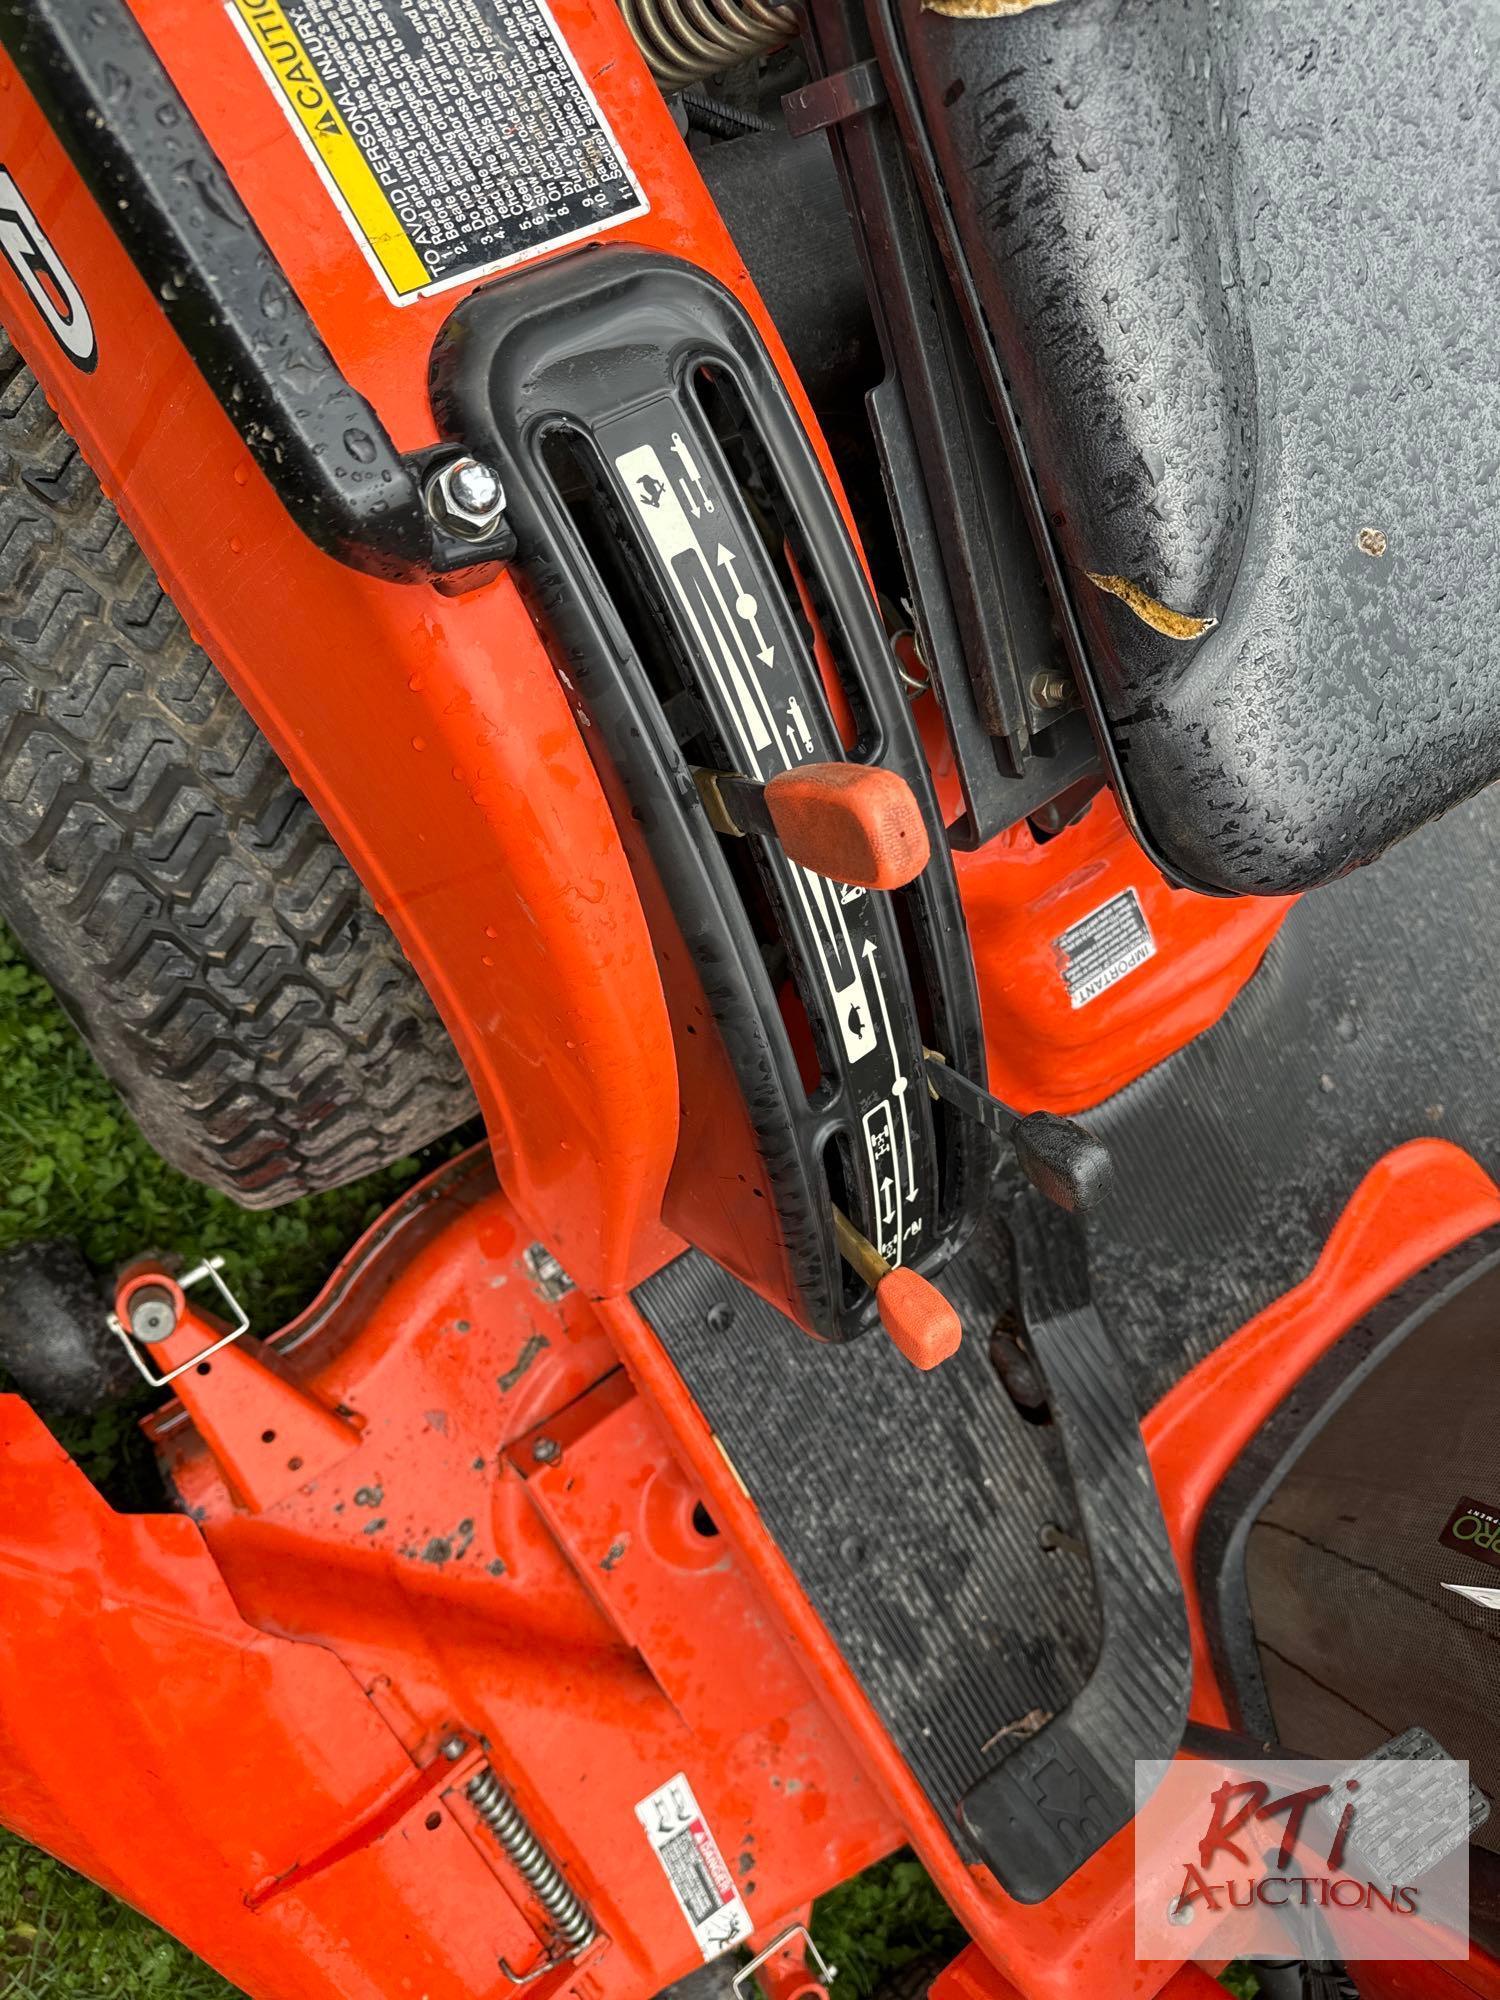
(279, 49)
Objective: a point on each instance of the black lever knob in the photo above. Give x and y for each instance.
(1061, 1158)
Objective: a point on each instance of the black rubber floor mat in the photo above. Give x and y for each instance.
(1374, 1019)
(912, 1508)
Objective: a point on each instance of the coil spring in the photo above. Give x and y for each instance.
(505, 1820)
(683, 40)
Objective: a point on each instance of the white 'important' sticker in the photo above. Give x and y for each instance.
(1103, 947)
(699, 1875)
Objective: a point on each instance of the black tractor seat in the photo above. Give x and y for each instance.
(1233, 269)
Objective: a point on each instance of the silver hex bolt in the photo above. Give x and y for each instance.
(1051, 690)
(466, 497)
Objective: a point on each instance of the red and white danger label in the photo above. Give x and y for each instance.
(699, 1875)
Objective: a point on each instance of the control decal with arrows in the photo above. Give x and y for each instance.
(752, 669)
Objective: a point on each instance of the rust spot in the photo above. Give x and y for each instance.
(1160, 617)
(369, 1496)
(612, 1555)
(528, 1354)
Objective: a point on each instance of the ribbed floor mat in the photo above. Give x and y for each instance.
(911, 1507)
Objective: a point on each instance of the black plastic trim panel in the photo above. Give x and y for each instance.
(160, 186)
(615, 358)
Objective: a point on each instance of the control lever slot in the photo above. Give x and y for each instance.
(679, 539)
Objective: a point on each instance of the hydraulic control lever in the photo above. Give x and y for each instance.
(1061, 1158)
(919, 1320)
(681, 545)
(854, 823)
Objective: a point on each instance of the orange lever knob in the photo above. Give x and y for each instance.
(855, 823)
(918, 1318)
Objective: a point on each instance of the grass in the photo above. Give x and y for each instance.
(63, 1939)
(72, 1164)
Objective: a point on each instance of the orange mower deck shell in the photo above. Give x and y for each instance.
(269, 1675)
(534, 1542)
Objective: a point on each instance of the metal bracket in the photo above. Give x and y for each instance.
(209, 1269)
(826, 1973)
(538, 1971)
(829, 100)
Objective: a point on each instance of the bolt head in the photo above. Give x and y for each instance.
(466, 496)
(1050, 690)
(151, 1315)
(454, 1748)
(546, 1451)
(475, 486)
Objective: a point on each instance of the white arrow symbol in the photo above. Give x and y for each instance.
(746, 606)
(898, 1086)
(748, 709)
